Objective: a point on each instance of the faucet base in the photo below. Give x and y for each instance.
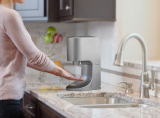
(145, 85)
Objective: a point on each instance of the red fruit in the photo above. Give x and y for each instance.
(58, 37)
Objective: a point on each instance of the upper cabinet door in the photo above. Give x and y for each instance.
(66, 8)
(31, 8)
(87, 10)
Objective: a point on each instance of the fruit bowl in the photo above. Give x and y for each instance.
(52, 43)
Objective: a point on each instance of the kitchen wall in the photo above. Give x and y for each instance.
(142, 17)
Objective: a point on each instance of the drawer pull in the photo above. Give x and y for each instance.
(29, 107)
(67, 7)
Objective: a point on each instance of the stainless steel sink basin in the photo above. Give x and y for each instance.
(103, 102)
(96, 100)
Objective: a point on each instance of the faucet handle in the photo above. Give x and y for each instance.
(153, 78)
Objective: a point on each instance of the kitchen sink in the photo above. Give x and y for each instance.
(103, 102)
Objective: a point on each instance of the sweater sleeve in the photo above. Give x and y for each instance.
(15, 29)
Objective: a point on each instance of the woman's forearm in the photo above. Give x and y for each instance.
(58, 71)
(34, 67)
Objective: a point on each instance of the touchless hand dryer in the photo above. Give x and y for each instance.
(87, 51)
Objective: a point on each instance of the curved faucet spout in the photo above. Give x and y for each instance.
(119, 55)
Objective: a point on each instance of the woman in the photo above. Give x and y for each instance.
(16, 52)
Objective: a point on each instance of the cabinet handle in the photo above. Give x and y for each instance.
(29, 107)
(67, 7)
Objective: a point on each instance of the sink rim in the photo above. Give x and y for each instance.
(129, 105)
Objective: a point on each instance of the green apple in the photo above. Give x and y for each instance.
(51, 30)
(48, 38)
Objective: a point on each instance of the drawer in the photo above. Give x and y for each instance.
(44, 111)
(29, 106)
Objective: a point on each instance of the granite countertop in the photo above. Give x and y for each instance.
(47, 94)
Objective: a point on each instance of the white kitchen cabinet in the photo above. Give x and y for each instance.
(38, 10)
(31, 8)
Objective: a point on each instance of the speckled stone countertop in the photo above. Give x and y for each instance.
(46, 94)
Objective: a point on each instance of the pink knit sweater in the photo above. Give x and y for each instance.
(16, 52)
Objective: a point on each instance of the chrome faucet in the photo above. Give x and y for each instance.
(145, 84)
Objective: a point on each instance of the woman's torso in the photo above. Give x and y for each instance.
(12, 64)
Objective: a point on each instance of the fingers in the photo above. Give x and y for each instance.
(76, 79)
(67, 75)
(81, 79)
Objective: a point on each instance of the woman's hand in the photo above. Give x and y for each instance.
(58, 71)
